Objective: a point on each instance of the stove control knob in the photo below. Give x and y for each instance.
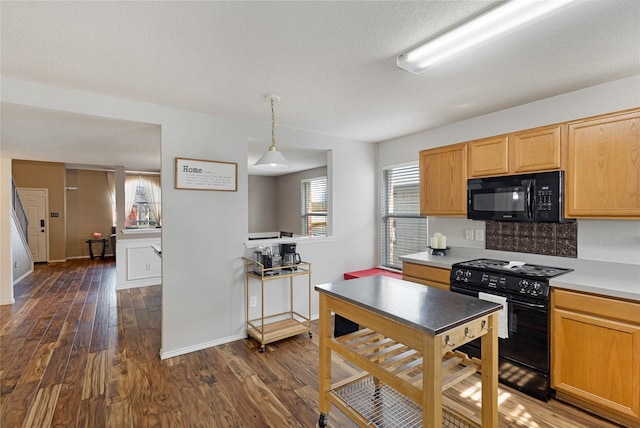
(536, 288)
(467, 274)
(524, 286)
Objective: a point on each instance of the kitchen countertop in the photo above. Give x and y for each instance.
(426, 309)
(619, 280)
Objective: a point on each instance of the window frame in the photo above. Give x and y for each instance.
(136, 205)
(388, 237)
(306, 229)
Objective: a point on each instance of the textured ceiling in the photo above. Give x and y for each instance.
(332, 63)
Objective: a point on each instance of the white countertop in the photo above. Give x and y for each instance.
(609, 279)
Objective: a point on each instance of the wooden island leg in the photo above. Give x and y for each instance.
(324, 364)
(489, 367)
(432, 382)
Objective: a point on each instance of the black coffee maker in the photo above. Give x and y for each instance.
(289, 256)
(264, 256)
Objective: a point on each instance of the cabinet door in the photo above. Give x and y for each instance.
(443, 181)
(488, 157)
(535, 150)
(603, 168)
(596, 352)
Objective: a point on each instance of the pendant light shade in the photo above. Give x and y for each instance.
(273, 159)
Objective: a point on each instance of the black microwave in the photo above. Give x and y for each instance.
(527, 197)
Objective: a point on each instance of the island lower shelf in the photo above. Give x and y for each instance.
(366, 400)
(372, 396)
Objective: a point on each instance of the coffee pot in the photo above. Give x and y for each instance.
(289, 255)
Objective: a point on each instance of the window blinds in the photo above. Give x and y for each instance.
(314, 206)
(403, 230)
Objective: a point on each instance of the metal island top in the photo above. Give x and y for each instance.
(427, 309)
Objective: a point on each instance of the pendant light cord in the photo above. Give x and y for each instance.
(273, 127)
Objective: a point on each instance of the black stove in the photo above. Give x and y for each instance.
(511, 278)
(523, 352)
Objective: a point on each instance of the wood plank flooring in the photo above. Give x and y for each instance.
(76, 353)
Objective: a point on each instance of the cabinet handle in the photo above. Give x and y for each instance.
(483, 325)
(466, 333)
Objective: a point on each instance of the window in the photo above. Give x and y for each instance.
(142, 197)
(404, 231)
(314, 206)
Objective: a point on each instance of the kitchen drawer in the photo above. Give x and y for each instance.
(439, 285)
(607, 307)
(426, 273)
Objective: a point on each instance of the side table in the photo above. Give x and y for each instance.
(105, 244)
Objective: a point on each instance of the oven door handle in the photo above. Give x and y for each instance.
(526, 304)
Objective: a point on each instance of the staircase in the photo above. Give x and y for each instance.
(22, 261)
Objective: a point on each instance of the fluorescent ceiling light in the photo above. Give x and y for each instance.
(489, 25)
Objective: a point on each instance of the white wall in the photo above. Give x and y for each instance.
(203, 231)
(623, 237)
(138, 265)
(6, 270)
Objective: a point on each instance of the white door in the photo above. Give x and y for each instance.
(36, 207)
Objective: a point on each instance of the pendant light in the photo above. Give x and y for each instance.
(273, 159)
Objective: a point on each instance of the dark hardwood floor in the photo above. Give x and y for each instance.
(76, 353)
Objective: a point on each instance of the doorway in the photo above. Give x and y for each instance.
(36, 207)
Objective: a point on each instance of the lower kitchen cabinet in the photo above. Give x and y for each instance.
(427, 275)
(595, 353)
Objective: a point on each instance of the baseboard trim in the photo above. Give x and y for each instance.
(200, 346)
(15, 281)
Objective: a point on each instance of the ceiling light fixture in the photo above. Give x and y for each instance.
(493, 23)
(273, 159)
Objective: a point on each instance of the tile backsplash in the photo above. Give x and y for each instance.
(553, 239)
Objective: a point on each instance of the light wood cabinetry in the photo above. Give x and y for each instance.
(443, 181)
(596, 354)
(426, 275)
(603, 166)
(488, 156)
(533, 150)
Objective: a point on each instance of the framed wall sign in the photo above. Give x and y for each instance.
(195, 174)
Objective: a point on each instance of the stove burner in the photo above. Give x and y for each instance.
(524, 270)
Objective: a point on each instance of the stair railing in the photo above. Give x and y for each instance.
(23, 222)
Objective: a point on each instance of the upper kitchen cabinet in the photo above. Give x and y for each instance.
(603, 166)
(533, 150)
(488, 156)
(443, 181)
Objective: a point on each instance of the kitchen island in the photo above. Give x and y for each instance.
(406, 349)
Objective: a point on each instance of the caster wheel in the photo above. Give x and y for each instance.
(310, 335)
(261, 349)
(323, 421)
